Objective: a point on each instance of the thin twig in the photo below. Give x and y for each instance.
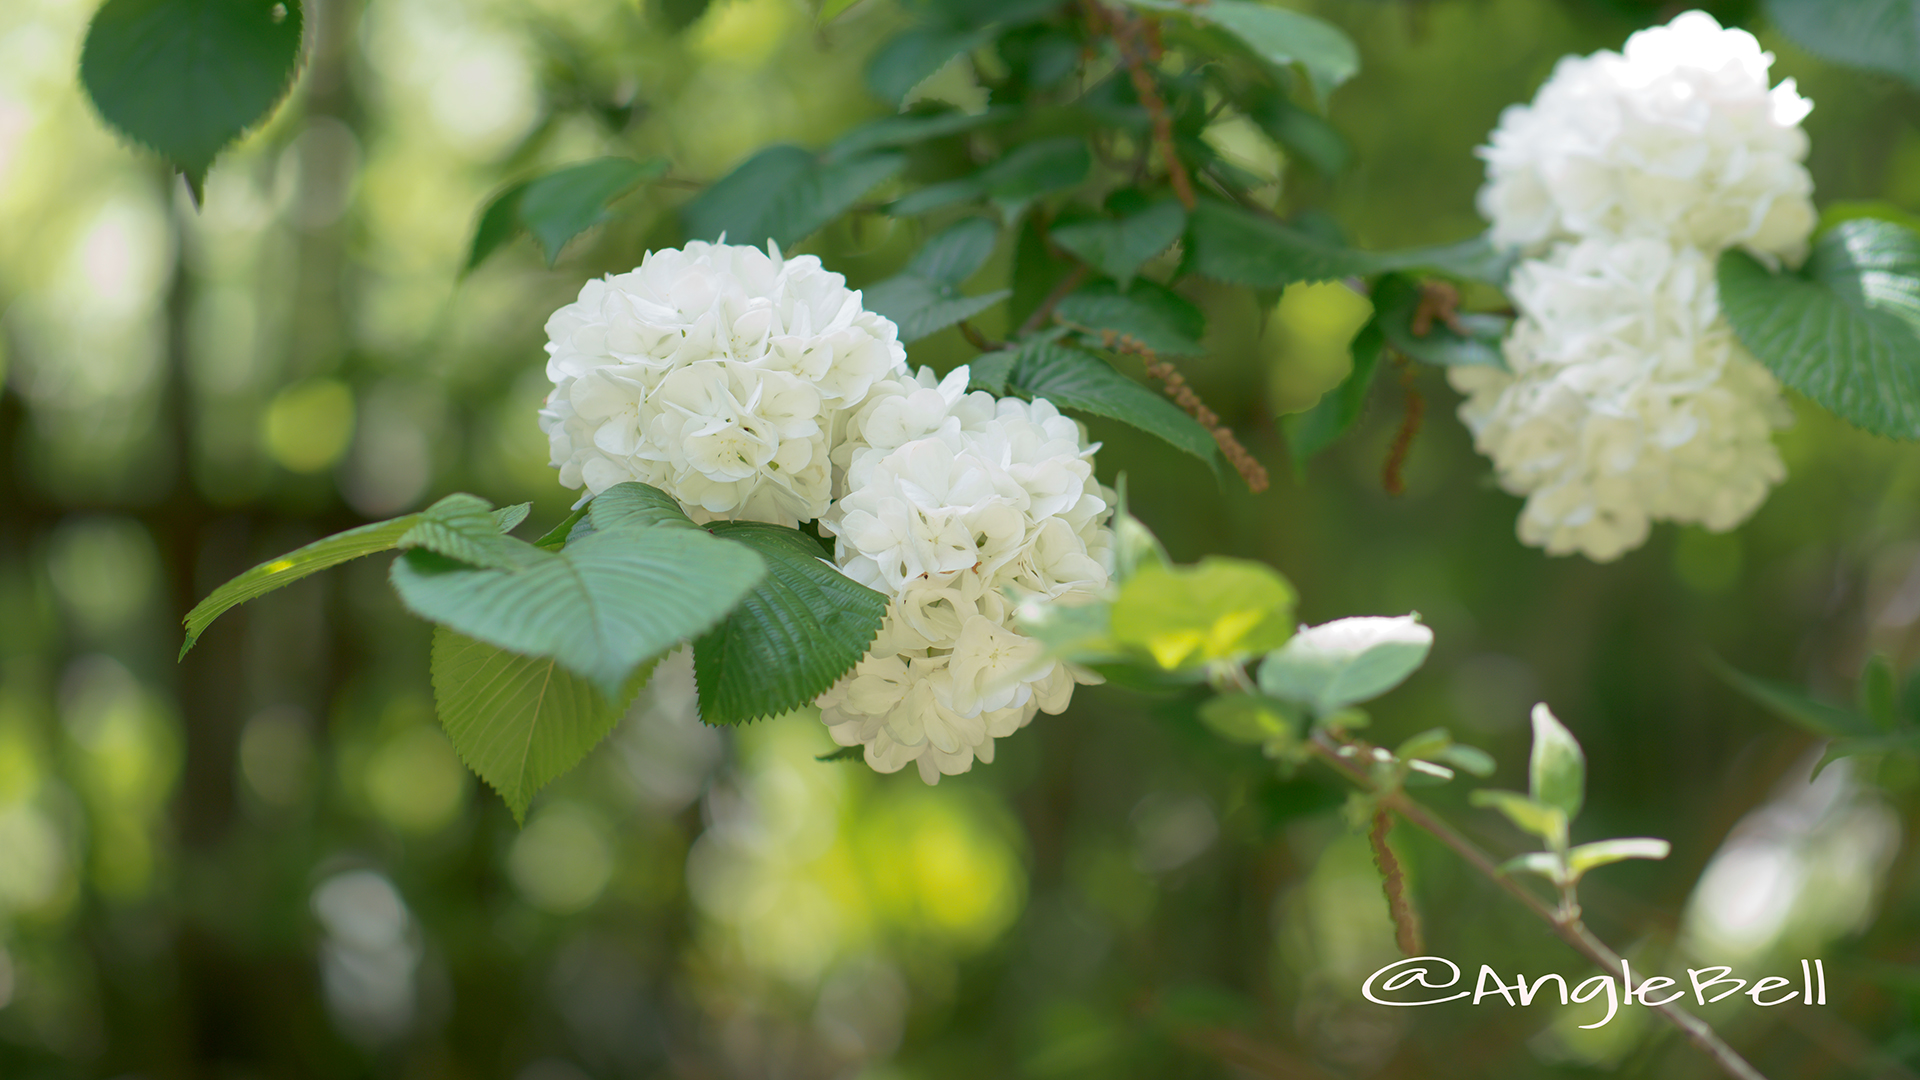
(1060, 292)
(1139, 40)
(1392, 474)
(1571, 930)
(1406, 922)
(978, 340)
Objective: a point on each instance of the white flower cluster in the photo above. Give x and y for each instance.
(755, 387)
(950, 499)
(1627, 398)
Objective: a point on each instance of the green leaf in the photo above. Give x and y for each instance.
(600, 606)
(1468, 759)
(910, 58)
(1076, 380)
(1238, 247)
(1250, 718)
(1428, 744)
(1549, 823)
(1396, 300)
(1905, 741)
(1844, 329)
(855, 752)
(633, 504)
(1218, 609)
(1346, 661)
(909, 129)
(187, 77)
(1556, 770)
(1010, 183)
(1544, 863)
(1277, 35)
(784, 194)
(1117, 248)
(294, 565)
(508, 518)
(559, 206)
(1078, 633)
(926, 296)
(1302, 134)
(1794, 705)
(1584, 857)
(462, 527)
(1149, 313)
(556, 538)
(1312, 431)
(1878, 691)
(791, 638)
(680, 14)
(1878, 35)
(518, 721)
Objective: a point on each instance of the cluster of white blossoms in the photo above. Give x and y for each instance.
(948, 501)
(1628, 399)
(755, 387)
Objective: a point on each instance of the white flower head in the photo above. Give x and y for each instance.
(1628, 401)
(717, 373)
(1678, 136)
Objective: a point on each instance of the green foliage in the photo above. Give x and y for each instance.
(294, 565)
(1302, 134)
(1118, 246)
(186, 77)
(791, 637)
(845, 753)
(560, 205)
(1278, 36)
(1151, 314)
(908, 59)
(1878, 35)
(1327, 672)
(635, 505)
(1556, 770)
(1220, 609)
(1312, 431)
(600, 606)
(1885, 722)
(466, 528)
(1396, 301)
(1584, 857)
(1845, 328)
(1253, 719)
(783, 194)
(519, 721)
(1529, 815)
(1077, 380)
(925, 297)
(1795, 706)
(1010, 184)
(910, 128)
(1235, 246)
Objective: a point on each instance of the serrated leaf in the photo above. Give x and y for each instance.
(911, 57)
(1220, 608)
(1878, 35)
(1249, 718)
(1077, 380)
(784, 194)
(1277, 35)
(855, 752)
(1312, 431)
(560, 205)
(462, 527)
(1238, 247)
(1010, 183)
(1149, 313)
(1584, 857)
(926, 298)
(1346, 661)
(1877, 692)
(1396, 300)
(1794, 705)
(291, 567)
(1556, 769)
(1549, 823)
(908, 129)
(791, 637)
(518, 721)
(187, 77)
(633, 504)
(1844, 329)
(600, 606)
(1118, 247)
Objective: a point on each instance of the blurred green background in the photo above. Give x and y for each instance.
(267, 861)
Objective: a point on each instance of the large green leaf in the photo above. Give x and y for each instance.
(1149, 313)
(1010, 183)
(1879, 35)
(600, 606)
(1844, 329)
(1077, 380)
(1239, 247)
(294, 565)
(187, 77)
(801, 628)
(559, 206)
(1396, 300)
(1312, 431)
(518, 721)
(634, 504)
(1117, 247)
(462, 527)
(926, 297)
(1278, 35)
(1217, 609)
(911, 57)
(784, 194)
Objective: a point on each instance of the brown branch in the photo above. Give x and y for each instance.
(1406, 921)
(1138, 37)
(978, 340)
(1391, 477)
(1345, 758)
(1438, 301)
(1060, 292)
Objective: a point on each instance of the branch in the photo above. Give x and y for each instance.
(1570, 929)
(1139, 40)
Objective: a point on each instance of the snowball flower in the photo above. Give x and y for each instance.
(715, 373)
(1677, 137)
(947, 500)
(1628, 400)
